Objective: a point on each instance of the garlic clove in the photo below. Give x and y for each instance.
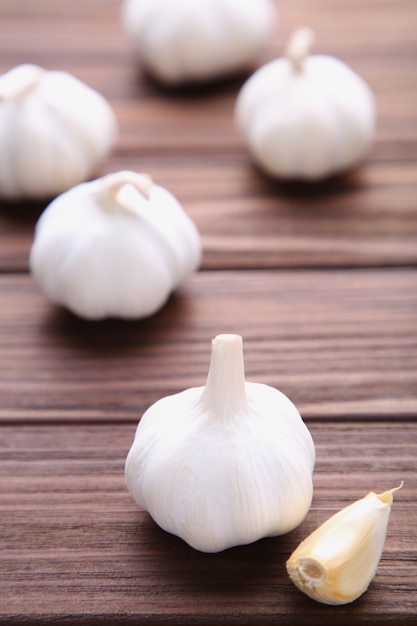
(338, 561)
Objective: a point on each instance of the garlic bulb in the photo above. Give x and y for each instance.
(337, 562)
(194, 41)
(305, 117)
(224, 464)
(114, 247)
(54, 130)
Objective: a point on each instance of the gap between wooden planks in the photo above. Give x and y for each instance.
(75, 549)
(340, 344)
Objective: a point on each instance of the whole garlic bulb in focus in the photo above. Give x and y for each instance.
(195, 41)
(54, 130)
(306, 116)
(114, 247)
(224, 464)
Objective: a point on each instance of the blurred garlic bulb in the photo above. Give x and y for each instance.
(305, 116)
(194, 41)
(54, 130)
(224, 464)
(337, 562)
(114, 247)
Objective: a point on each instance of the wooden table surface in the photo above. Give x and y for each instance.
(321, 282)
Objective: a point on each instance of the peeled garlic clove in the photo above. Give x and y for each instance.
(337, 562)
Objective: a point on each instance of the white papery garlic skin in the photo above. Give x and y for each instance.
(114, 247)
(224, 464)
(194, 41)
(306, 116)
(338, 561)
(54, 131)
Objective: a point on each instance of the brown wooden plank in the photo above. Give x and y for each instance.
(340, 344)
(246, 222)
(75, 547)
(188, 141)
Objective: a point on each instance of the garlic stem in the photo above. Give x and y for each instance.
(298, 47)
(225, 394)
(19, 81)
(113, 186)
(113, 183)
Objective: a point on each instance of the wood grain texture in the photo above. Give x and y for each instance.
(321, 282)
(340, 344)
(188, 142)
(73, 542)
